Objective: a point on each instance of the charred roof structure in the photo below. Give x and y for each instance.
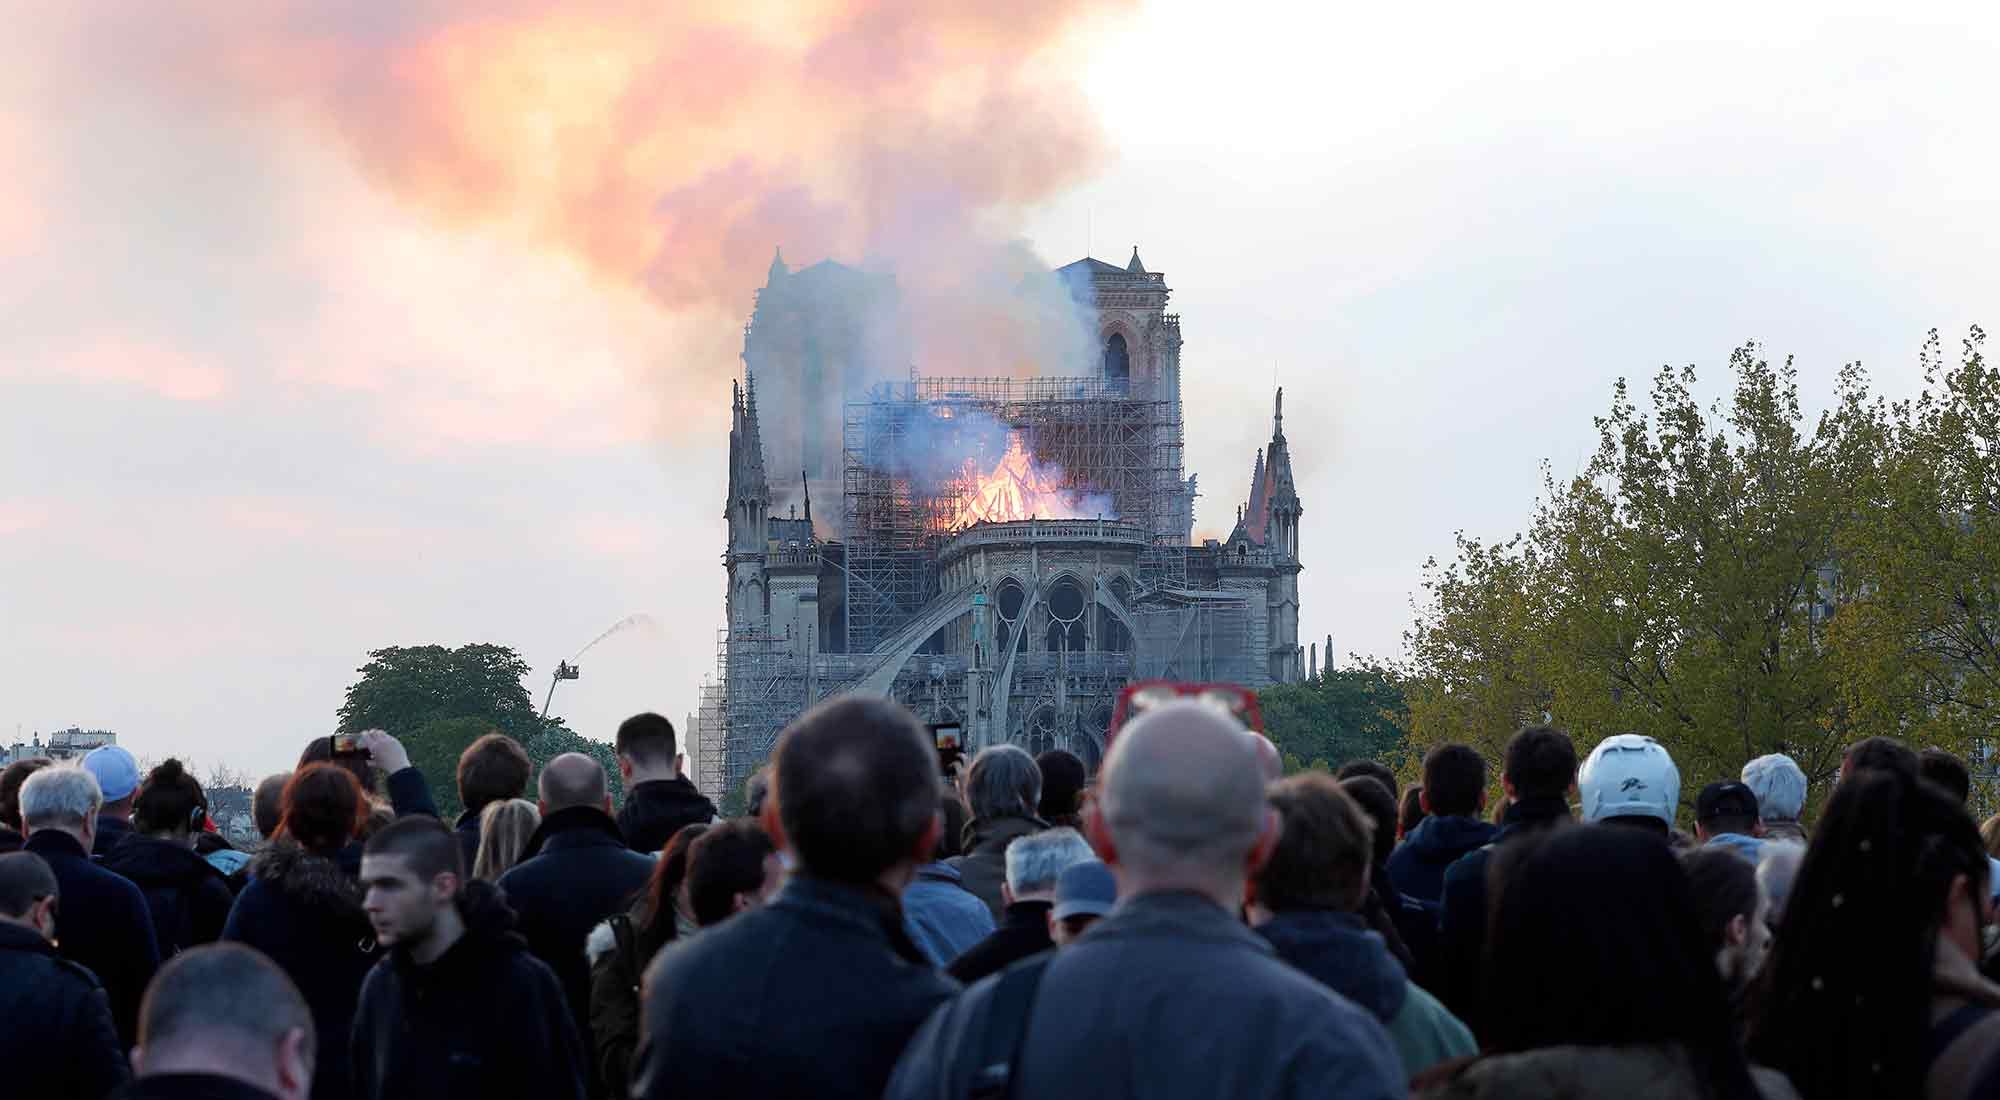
(1002, 553)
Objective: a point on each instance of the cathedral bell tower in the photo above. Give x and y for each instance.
(747, 510)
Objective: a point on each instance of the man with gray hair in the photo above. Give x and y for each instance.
(1170, 996)
(1003, 787)
(59, 1039)
(1034, 863)
(222, 1020)
(1780, 786)
(102, 922)
(575, 872)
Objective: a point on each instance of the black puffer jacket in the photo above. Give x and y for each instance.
(188, 897)
(486, 1019)
(59, 1040)
(304, 912)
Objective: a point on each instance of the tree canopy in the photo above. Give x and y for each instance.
(1734, 580)
(1340, 715)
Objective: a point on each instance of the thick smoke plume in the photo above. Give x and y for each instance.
(673, 145)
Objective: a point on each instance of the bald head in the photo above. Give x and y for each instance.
(1269, 763)
(571, 780)
(1182, 798)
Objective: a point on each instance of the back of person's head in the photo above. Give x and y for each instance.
(665, 889)
(856, 781)
(1454, 780)
(1412, 813)
(1862, 927)
(1375, 768)
(1595, 941)
(504, 830)
(323, 808)
(491, 768)
(1380, 807)
(269, 803)
(62, 797)
(26, 882)
(427, 846)
(1063, 779)
(1181, 801)
(728, 870)
(226, 1009)
(756, 789)
(1726, 806)
(1629, 775)
(169, 801)
(1326, 844)
(319, 750)
(1002, 782)
(1779, 784)
(1539, 762)
(572, 780)
(11, 779)
(647, 740)
(1035, 862)
(1947, 771)
(1882, 753)
(1727, 899)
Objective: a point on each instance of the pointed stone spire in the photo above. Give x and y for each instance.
(1259, 515)
(753, 441)
(778, 269)
(1134, 266)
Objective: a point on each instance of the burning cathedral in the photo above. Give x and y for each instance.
(1004, 553)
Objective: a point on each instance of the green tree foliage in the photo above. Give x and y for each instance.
(437, 701)
(1344, 714)
(1733, 580)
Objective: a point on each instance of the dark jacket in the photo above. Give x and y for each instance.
(1417, 866)
(111, 832)
(59, 1041)
(575, 872)
(467, 832)
(188, 897)
(486, 1019)
(304, 912)
(192, 1086)
(1023, 931)
(102, 922)
(1340, 951)
(617, 965)
(811, 995)
(1462, 924)
(1168, 997)
(983, 867)
(10, 840)
(658, 808)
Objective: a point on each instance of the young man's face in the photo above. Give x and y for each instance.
(401, 906)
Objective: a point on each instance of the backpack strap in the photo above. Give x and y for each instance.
(994, 1078)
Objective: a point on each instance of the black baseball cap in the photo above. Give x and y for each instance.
(1727, 798)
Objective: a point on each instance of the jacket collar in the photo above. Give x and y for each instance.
(1528, 812)
(19, 937)
(679, 786)
(193, 1086)
(55, 842)
(1027, 914)
(868, 909)
(940, 872)
(1339, 949)
(575, 827)
(468, 821)
(983, 830)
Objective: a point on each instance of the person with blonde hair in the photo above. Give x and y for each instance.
(504, 829)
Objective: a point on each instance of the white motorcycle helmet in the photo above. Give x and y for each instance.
(1629, 775)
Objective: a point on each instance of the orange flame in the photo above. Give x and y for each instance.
(1018, 488)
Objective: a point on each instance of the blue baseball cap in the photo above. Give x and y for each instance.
(1085, 890)
(116, 772)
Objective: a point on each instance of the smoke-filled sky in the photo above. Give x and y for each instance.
(324, 328)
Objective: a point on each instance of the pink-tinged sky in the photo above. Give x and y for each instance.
(326, 328)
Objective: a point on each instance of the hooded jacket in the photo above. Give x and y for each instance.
(1339, 950)
(484, 1019)
(305, 913)
(658, 808)
(983, 867)
(1417, 866)
(59, 1040)
(575, 872)
(101, 922)
(188, 897)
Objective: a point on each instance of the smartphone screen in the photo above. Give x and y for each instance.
(947, 736)
(346, 744)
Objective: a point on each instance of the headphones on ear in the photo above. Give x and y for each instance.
(198, 819)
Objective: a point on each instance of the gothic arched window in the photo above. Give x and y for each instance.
(1117, 360)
